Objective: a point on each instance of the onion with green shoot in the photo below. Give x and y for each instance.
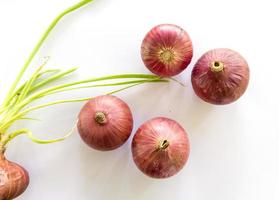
(16, 106)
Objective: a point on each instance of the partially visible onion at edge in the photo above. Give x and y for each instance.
(14, 179)
(105, 122)
(160, 147)
(166, 50)
(220, 76)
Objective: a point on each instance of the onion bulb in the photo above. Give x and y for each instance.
(166, 50)
(105, 122)
(160, 147)
(220, 76)
(14, 179)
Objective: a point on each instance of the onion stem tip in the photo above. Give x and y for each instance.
(163, 144)
(217, 66)
(100, 118)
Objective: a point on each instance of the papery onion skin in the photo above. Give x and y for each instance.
(14, 179)
(167, 50)
(115, 127)
(160, 147)
(220, 76)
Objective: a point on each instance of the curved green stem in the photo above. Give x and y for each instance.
(52, 79)
(33, 138)
(81, 99)
(43, 82)
(44, 92)
(29, 118)
(29, 83)
(18, 91)
(105, 85)
(39, 44)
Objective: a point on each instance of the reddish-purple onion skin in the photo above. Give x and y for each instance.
(114, 131)
(223, 84)
(159, 162)
(166, 50)
(14, 179)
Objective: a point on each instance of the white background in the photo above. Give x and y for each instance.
(234, 148)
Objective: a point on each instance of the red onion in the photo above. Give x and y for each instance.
(166, 50)
(14, 179)
(105, 122)
(160, 147)
(220, 76)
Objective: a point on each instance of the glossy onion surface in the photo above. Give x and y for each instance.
(105, 122)
(220, 76)
(160, 147)
(166, 50)
(14, 179)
